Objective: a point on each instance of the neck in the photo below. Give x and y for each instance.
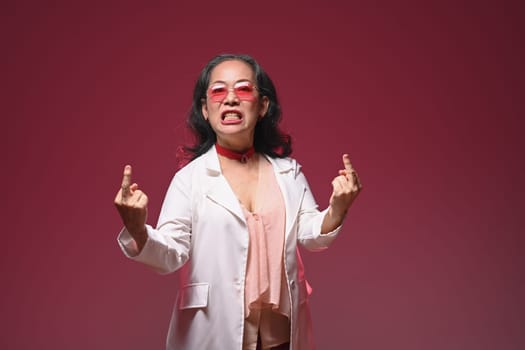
(242, 156)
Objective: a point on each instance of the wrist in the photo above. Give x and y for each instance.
(336, 215)
(140, 236)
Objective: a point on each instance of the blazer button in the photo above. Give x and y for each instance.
(292, 284)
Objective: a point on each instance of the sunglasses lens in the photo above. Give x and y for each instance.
(217, 92)
(244, 91)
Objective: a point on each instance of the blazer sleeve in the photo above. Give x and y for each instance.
(310, 219)
(168, 246)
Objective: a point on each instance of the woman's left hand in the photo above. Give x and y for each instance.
(346, 187)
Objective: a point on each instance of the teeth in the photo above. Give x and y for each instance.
(232, 115)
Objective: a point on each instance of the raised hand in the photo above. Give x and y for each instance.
(132, 205)
(346, 187)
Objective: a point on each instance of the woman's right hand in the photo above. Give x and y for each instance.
(132, 205)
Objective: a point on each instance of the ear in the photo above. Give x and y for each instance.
(204, 108)
(265, 104)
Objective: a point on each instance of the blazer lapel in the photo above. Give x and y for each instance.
(218, 189)
(285, 173)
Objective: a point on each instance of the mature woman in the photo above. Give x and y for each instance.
(232, 218)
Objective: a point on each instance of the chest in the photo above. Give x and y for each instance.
(244, 184)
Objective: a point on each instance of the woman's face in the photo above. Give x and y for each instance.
(233, 104)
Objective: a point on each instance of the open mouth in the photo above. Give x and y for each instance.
(231, 117)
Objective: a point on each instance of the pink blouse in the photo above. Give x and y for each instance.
(267, 302)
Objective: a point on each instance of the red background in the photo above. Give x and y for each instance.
(427, 97)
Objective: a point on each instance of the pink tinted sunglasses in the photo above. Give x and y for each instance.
(244, 90)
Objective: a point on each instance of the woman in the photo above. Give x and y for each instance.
(232, 218)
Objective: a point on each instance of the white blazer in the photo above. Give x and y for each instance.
(202, 231)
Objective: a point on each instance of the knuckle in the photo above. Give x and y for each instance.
(138, 206)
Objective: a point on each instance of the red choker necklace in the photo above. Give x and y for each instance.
(240, 156)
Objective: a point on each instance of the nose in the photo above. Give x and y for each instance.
(231, 98)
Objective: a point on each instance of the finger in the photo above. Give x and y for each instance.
(134, 199)
(143, 201)
(358, 183)
(346, 184)
(336, 185)
(118, 197)
(126, 181)
(348, 177)
(348, 165)
(341, 185)
(134, 194)
(353, 177)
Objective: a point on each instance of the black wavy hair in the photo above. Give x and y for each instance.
(268, 138)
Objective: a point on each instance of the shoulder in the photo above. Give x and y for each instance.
(186, 179)
(200, 168)
(188, 168)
